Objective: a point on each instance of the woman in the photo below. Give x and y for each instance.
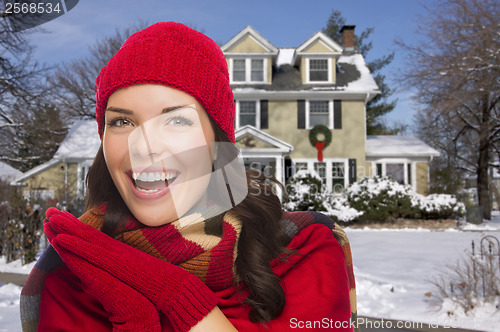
(176, 236)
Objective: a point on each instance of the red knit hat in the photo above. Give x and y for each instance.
(172, 54)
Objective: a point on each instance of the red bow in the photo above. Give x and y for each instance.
(320, 146)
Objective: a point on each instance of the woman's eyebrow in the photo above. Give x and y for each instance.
(163, 111)
(173, 108)
(119, 110)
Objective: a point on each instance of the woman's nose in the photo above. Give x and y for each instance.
(146, 143)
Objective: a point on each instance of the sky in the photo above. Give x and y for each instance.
(285, 23)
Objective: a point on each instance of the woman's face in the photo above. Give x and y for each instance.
(156, 145)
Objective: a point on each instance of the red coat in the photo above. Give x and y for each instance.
(314, 280)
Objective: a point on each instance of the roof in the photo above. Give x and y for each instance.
(81, 142)
(250, 31)
(398, 146)
(324, 39)
(35, 171)
(352, 75)
(8, 172)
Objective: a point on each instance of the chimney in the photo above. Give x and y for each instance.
(347, 35)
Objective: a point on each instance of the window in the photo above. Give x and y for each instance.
(239, 71)
(248, 70)
(333, 172)
(318, 70)
(248, 113)
(396, 172)
(257, 70)
(338, 176)
(319, 113)
(400, 171)
(300, 166)
(320, 169)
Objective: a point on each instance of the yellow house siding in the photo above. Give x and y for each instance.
(303, 69)
(348, 142)
(53, 179)
(317, 47)
(422, 177)
(247, 45)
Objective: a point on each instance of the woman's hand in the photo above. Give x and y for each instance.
(182, 297)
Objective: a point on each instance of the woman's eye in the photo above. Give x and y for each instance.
(119, 122)
(179, 121)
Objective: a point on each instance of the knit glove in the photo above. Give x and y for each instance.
(181, 296)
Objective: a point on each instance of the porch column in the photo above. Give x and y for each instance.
(279, 175)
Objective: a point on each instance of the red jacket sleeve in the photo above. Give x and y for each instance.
(315, 283)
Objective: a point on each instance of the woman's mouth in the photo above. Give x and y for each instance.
(153, 181)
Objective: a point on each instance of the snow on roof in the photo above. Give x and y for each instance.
(81, 142)
(397, 146)
(8, 172)
(366, 81)
(286, 56)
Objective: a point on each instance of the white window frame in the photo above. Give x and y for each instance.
(328, 162)
(330, 113)
(257, 112)
(405, 162)
(330, 64)
(248, 70)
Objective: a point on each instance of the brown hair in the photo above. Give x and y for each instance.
(261, 238)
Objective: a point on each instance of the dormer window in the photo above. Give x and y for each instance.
(248, 71)
(319, 70)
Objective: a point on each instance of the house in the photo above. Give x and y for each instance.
(282, 94)
(63, 177)
(296, 108)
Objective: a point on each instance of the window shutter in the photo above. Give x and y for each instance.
(337, 114)
(301, 114)
(264, 111)
(352, 171)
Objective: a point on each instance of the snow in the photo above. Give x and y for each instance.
(392, 269)
(366, 81)
(397, 146)
(8, 172)
(286, 56)
(82, 141)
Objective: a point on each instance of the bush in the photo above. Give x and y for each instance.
(381, 199)
(471, 282)
(305, 192)
(370, 199)
(20, 229)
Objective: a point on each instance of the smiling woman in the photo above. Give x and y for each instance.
(177, 236)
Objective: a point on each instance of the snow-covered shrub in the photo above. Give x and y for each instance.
(372, 199)
(381, 199)
(338, 208)
(305, 192)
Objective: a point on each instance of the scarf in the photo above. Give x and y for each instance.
(206, 248)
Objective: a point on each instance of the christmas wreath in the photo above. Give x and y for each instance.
(320, 144)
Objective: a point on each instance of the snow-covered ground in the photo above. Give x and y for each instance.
(392, 269)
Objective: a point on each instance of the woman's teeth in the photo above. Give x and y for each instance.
(153, 176)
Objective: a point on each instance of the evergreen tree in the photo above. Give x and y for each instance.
(380, 105)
